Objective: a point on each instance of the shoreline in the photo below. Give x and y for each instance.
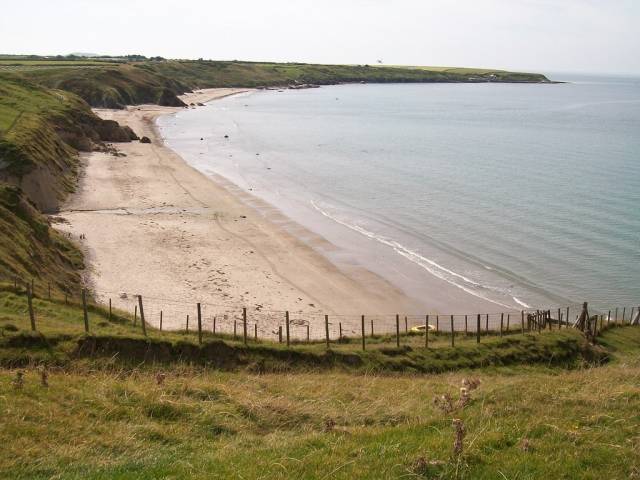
(156, 226)
(433, 293)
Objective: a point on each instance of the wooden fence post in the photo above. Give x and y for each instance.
(84, 310)
(135, 315)
(453, 334)
(486, 323)
(615, 319)
(109, 309)
(522, 321)
(478, 330)
(437, 323)
(363, 336)
(326, 329)
(559, 319)
(583, 320)
(244, 325)
(568, 317)
(142, 322)
(308, 336)
(501, 323)
(426, 331)
(540, 321)
(160, 320)
(340, 330)
(406, 325)
(32, 316)
(397, 330)
(279, 333)
(214, 324)
(624, 310)
(255, 332)
(199, 324)
(286, 319)
(466, 329)
(508, 321)
(372, 327)
(187, 329)
(609, 318)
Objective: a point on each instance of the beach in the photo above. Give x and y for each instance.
(152, 225)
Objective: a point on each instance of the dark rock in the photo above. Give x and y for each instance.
(145, 140)
(110, 131)
(131, 133)
(168, 98)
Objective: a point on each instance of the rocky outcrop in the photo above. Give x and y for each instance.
(168, 98)
(111, 131)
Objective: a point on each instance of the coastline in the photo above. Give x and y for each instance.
(155, 226)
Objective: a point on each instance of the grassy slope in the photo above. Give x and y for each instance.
(104, 419)
(159, 82)
(61, 340)
(41, 131)
(30, 248)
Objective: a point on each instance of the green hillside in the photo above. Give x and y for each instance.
(41, 132)
(223, 410)
(128, 83)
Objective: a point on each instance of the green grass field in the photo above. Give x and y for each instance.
(104, 417)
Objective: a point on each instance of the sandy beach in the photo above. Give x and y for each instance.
(154, 226)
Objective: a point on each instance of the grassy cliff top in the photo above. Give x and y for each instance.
(102, 416)
(113, 84)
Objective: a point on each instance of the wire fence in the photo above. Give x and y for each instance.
(260, 324)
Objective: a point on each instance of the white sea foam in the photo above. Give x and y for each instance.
(431, 266)
(520, 302)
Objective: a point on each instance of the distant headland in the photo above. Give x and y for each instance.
(117, 81)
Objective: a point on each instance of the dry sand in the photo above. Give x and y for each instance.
(157, 227)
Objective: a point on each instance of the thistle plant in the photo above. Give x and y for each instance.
(18, 380)
(44, 377)
(459, 430)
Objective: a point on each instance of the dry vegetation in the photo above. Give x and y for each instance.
(103, 417)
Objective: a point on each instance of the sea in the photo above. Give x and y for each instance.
(526, 195)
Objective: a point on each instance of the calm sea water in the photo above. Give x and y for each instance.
(520, 194)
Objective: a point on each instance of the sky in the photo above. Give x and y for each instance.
(590, 36)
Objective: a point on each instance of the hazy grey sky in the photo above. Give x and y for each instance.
(537, 35)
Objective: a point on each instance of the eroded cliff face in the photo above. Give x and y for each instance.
(39, 147)
(42, 132)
